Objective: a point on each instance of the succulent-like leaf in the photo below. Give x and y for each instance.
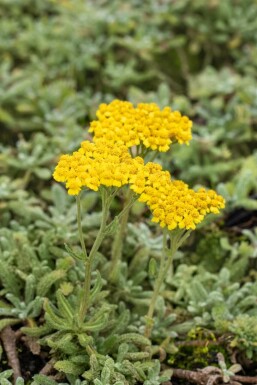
(64, 306)
(134, 338)
(68, 367)
(8, 322)
(37, 331)
(54, 320)
(48, 280)
(40, 379)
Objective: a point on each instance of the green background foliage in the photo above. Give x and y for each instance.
(59, 59)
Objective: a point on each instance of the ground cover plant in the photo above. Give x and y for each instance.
(126, 305)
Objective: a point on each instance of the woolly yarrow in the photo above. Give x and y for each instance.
(109, 163)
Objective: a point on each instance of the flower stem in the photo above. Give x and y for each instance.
(84, 303)
(120, 235)
(166, 261)
(82, 242)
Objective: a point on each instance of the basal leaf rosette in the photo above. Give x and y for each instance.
(96, 164)
(147, 125)
(172, 203)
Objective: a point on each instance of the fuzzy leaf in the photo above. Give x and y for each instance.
(64, 344)
(76, 255)
(134, 338)
(85, 340)
(68, 367)
(6, 374)
(9, 279)
(34, 308)
(59, 197)
(7, 322)
(42, 173)
(64, 306)
(48, 280)
(53, 319)
(40, 379)
(235, 368)
(96, 288)
(37, 331)
(109, 342)
(122, 322)
(97, 325)
(137, 356)
(198, 292)
(152, 269)
(29, 288)
(19, 381)
(105, 375)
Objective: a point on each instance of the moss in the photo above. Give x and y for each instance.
(198, 351)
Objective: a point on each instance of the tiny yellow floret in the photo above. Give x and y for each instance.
(96, 164)
(172, 203)
(121, 123)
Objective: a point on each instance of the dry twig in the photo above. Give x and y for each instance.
(209, 376)
(48, 367)
(9, 341)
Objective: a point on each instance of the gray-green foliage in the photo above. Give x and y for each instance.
(59, 61)
(5, 378)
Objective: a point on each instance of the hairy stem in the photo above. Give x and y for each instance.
(120, 235)
(84, 303)
(166, 261)
(82, 242)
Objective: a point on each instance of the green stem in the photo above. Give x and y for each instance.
(166, 261)
(84, 303)
(152, 156)
(82, 242)
(26, 178)
(120, 235)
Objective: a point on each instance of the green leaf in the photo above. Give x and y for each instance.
(48, 280)
(59, 197)
(134, 338)
(40, 379)
(198, 292)
(97, 287)
(6, 374)
(76, 255)
(152, 270)
(30, 288)
(37, 331)
(42, 173)
(64, 306)
(235, 368)
(97, 325)
(19, 381)
(68, 367)
(9, 279)
(53, 319)
(34, 307)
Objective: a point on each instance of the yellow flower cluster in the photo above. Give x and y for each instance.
(119, 122)
(96, 164)
(108, 162)
(172, 203)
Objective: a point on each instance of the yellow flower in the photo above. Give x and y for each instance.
(107, 162)
(122, 123)
(172, 203)
(96, 164)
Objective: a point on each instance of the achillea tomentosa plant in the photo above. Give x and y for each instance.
(125, 142)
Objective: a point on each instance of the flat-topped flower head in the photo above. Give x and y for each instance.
(96, 164)
(122, 123)
(172, 203)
